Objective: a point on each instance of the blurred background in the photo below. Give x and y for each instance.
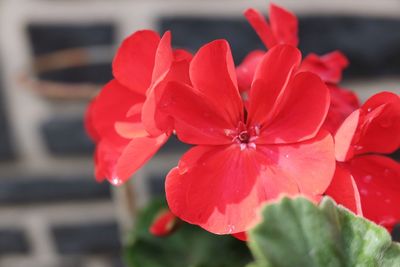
(54, 57)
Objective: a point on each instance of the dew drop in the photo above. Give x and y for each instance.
(231, 228)
(364, 192)
(287, 156)
(386, 172)
(116, 181)
(367, 178)
(369, 109)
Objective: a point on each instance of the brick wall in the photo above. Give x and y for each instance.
(52, 213)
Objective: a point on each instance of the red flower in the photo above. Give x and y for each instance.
(125, 136)
(283, 29)
(365, 181)
(246, 157)
(164, 223)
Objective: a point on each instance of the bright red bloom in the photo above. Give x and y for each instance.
(366, 182)
(283, 29)
(125, 136)
(163, 224)
(245, 157)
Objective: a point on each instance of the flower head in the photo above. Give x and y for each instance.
(366, 181)
(245, 157)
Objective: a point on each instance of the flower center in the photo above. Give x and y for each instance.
(243, 135)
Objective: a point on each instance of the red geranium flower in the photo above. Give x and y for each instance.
(365, 181)
(245, 157)
(125, 136)
(283, 29)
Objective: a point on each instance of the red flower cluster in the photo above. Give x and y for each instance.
(259, 130)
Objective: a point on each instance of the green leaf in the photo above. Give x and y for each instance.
(189, 246)
(299, 233)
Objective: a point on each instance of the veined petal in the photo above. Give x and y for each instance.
(134, 62)
(311, 164)
(343, 189)
(284, 25)
(212, 72)
(378, 180)
(272, 76)
(112, 105)
(157, 122)
(300, 113)
(222, 191)
(196, 119)
(221, 188)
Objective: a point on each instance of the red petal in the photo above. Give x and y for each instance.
(157, 122)
(212, 72)
(196, 119)
(134, 62)
(163, 224)
(221, 188)
(380, 125)
(284, 25)
(343, 103)
(135, 155)
(163, 58)
(242, 236)
(344, 137)
(89, 123)
(378, 180)
(328, 67)
(261, 27)
(310, 164)
(270, 80)
(112, 105)
(300, 113)
(344, 191)
(130, 130)
(246, 70)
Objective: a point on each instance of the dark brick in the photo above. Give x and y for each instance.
(46, 38)
(396, 233)
(156, 185)
(13, 241)
(372, 44)
(96, 73)
(19, 190)
(6, 149)
(53, 38)
(95, 238)
(191, 33)
(66, 136)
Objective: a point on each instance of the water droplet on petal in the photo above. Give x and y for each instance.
(116, 181)
(364, 192)
(231, 228)
(287, 156)
(369, 109)
(367, 178)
